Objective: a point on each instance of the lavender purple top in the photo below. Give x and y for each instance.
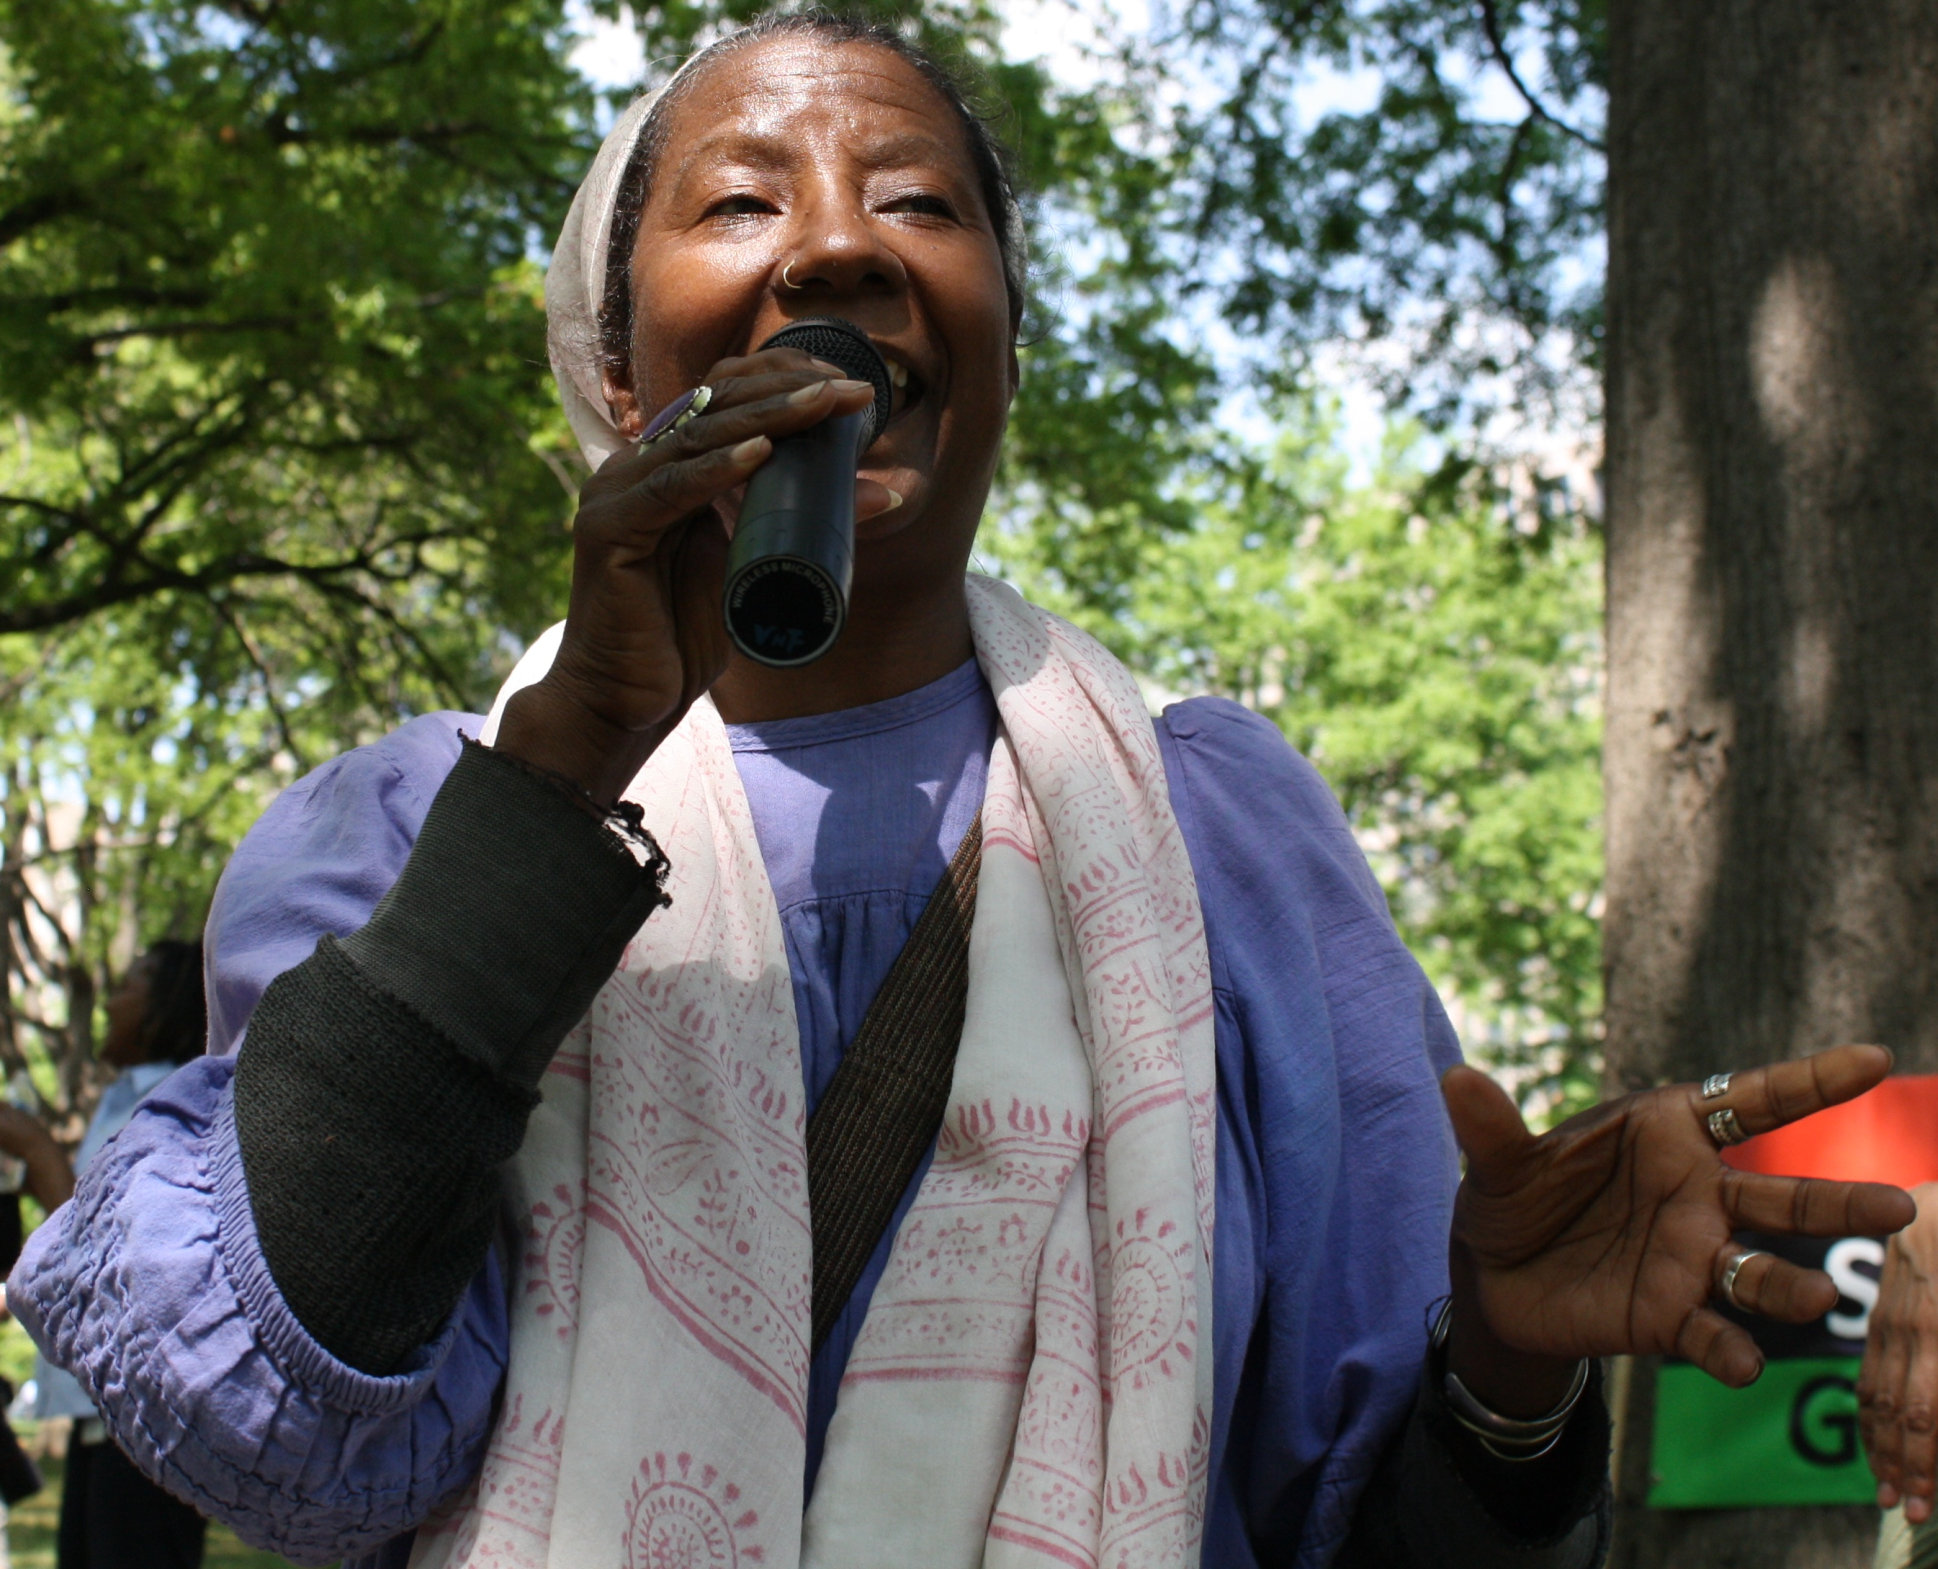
(1335, 1165)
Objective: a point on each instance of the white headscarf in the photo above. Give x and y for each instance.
(575, 287)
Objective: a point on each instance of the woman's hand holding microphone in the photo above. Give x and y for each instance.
(644, 635)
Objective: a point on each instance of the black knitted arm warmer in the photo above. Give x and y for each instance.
(385, 1080)
(1439, 1500)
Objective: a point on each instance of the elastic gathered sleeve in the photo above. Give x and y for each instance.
(151, 1288)
(151, 1282)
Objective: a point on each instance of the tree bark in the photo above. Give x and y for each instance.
(1772, 507)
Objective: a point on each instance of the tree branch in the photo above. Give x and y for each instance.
(36, 210)
(254, 655)
(379, 135)
(35, 504)
(1490, 21)
(159, 577)
(451, 690)
(1504, 243)
(193, 439)
(106, 294)
(260, 14)
(17, 683)
(187, 329)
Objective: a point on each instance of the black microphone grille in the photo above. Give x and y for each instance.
(841, 343)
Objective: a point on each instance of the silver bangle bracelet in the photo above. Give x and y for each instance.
(1505, 1437)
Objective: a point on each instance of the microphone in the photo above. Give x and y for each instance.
(793, 552)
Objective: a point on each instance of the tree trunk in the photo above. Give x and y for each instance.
(1772, 742)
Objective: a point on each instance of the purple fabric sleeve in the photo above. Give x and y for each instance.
(1336, 1164)
(150, 1288)
(150, 1284)
(318, 860)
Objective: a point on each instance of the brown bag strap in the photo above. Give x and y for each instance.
(884, 1107)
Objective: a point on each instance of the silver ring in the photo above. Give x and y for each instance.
(688, 405)
(1725, 1128)
(787, 280)
(1716, 1086)
(1730, 1272)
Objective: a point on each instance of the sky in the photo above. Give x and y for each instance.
(1056, 30)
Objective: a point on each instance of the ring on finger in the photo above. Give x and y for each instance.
(688, 405)
(1716, 1086)
(1727, 1288)
(1726, 1128)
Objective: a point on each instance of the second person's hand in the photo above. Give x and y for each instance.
(50, 1177)
(1897, 1391)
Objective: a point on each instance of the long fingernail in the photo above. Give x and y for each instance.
(854, 386)
(808, 393)
(753, 447)
(832, 370)
(894, 499)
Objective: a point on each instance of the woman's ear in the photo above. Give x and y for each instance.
(623, 404)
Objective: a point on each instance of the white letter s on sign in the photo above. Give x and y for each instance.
(1840, 1262)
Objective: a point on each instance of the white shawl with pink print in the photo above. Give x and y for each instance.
(1032, 1384)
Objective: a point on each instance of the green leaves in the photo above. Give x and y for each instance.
(279, 462)
(276, 321)
(1434, 648)
(1456, 221)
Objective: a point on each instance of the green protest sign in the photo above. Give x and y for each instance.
(1792, 1437)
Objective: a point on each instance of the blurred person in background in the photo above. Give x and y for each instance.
(113, 1517)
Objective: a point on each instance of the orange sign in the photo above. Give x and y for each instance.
(1889, 1135)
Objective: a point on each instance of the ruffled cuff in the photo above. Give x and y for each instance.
(151, 1288)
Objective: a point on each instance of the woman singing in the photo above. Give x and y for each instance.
(483, 1236)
